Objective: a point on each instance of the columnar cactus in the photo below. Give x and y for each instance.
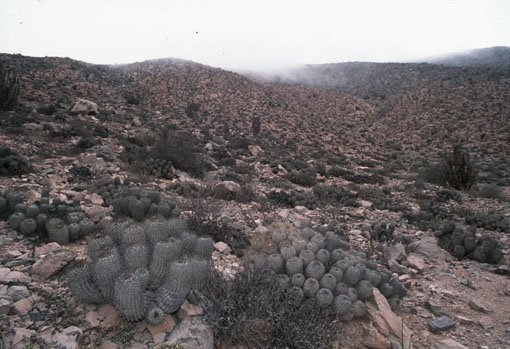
(82, 285)
(129, 296)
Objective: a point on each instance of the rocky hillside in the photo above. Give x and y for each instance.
(496, 57)
(326, 193)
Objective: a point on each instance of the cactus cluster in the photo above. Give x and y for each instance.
(9, 89)
(495, 222)
(322, 268)
(61, 221)
(11, 162)
(160, 168)
(466, 244)
(138, 203)
(108, 189)
(145, 270)
(382, 231)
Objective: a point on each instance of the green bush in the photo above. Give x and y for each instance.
(459, 173)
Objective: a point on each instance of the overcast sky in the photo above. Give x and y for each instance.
(251, 34)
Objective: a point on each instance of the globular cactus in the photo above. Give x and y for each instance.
(306, 256)
(41, 220)
(342, 305)
(15, 220)
(204, 248)
(276, 263)
(200, 270)
(374, 277)
(358, 309)
(132, 236)
(163, 254)
(294, 265)
(297, 280)
(328, 281)
(337, 255)
(352, 294)
(299, 245)
(337, 273)
(32, 211)
(459, 251)
(164, 209)
(28, 227)
(351, 276)
(188, 242)
(343, 264)
(87, 226)
(155, 315)
(74, 217)
(470, 244)
(57, 231)
(288, 252)
(333, 242)
(106, 270)
(74, 231)
(13, 198)
(129, 297)
(153, 196)
(283, 281)
(322, 256)
(174, 291)
(99, 247)
(278, 236)
(340, 288)
(386, 290)
(398, 288)
(324, 298)
(82, 285)
(312, 247)
(318, 240)
(136, 209)
(365, 290)
(311, 287)
(315, 270)
(136, 257)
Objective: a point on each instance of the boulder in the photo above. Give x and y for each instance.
(85, 107)
(192, 333)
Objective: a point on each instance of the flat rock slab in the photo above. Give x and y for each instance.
(192, 333)
(8, 276)
(442, 323)
(52, 263)
(478, 306)
(450, 344)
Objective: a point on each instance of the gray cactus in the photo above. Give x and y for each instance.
(32, 211)
(188, 242)
(351, 276)
(337, 273)
(294, 265)
(313, 247)
(204, 248)
(347, 317)
(129, 297)
(337, 255)
(28, 227)
(342, 305)
(276, 263)
(299, 245)
(163, 254)
(57, 231)
(87, 226)
(352, 294)
(340, 288)
(74, 231)
(135, 257)
(296, 294)
(106, 270)
(324, 298)
(132, 236)
(386, 290)
(155, 315)
(307, 256)
(82, 285)
(136, 209)
(278, 236)
(15, 220)
(283, 281)
(328, 281)
(288, 252)
(374, 277)
(165, 210)
(358, 309)
(315, 270)
(322, 256)
(311, 287)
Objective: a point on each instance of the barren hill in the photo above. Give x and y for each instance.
(342, 163)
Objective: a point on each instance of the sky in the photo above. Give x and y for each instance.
(264, 35)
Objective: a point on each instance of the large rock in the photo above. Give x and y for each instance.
(386, 321)
(68, 338)
(8, 276)
(85, 107)
(192, 333)
(52, 263)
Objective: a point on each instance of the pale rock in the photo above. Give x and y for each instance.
(284, 213)
(365, 203)
(23, 306)
(18, 292)
(386, 321)
(255, 150)
(95, 199)
(16, 340)
(5, 306)
(187, 309)
(209, 146)
(31, 196)
(7, 276)
(450, 344)
(475, 304)
(95, 213)
(192, 333)
(85, 107)
(45, 249)
(464, 320)
(486, 322)
(373, 339)
(136, 121)
(109, 345)
(428, 247)
(52, 263)
(417, 262)
(222, 247)
(68, 338)
(92, 317)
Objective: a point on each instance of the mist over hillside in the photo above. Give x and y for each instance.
(497, 57)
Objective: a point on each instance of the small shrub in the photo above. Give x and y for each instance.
(459, 172)
(192, 109)
(305, 178)
(487, 191)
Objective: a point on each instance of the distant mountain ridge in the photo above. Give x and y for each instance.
(497, 56)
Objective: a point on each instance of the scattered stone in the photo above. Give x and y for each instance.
(18, 292)
(5, 306)
(109, 345)
(187, 309)
(45, 249)
(417, 262)
(85, 107)
(192, 333)
(372, 339)
(7, 276)
(52, 262)
(16, 340)
(442, 323)
(428, 247)
(486, 322)
(68, 338)
(450, 344)
(386, 321)
(23, 306)
(92, 317)
(166, 326)
(464, 320)
(222, 247)
(255, 150)
(478, 306)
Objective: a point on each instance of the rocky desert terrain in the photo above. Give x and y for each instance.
(104, 167)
